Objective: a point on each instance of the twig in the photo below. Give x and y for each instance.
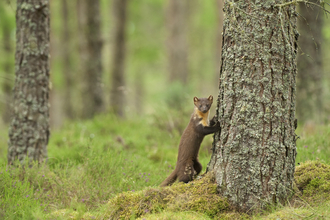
(301, 1)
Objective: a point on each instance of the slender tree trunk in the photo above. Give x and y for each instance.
(309, 82)
(55, 96)
(117, 96)
(177, 43)
(254, 156)
(67, 67)
(139, 91)
(29, 129)
(82, 48)
(7, 66)
(93, 91)
(219, 4)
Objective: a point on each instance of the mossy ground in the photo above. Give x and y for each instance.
(199, 200)
(313, 181)
(199, 197)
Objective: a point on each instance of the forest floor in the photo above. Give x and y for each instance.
(110, 168)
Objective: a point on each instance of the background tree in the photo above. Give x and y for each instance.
(67, 61)
(7, 28)
(219, 5)
(177, 44)
(309, 81)
(117, 95)
(254, 156)
(29, 128)
(92, 91)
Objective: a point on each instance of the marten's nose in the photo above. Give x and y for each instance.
(204, 109)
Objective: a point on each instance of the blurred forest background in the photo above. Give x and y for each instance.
(144, 61)
(156, 55)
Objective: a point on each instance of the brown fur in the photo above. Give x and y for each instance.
(187, 165)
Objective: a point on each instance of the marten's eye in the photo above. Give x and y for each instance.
(207, 105)
(200, 106)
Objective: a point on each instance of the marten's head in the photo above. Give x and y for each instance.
(203, 104)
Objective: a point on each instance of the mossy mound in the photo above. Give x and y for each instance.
(197, 196)
(313, 180)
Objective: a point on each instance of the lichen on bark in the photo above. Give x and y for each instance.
(254, 156)
(29, 129)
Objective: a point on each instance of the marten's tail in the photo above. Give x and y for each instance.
(170, 179)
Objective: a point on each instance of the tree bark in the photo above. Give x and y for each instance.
(309, 81)
(177, 16)
(254, 156)
(117, 96)
(93, 91)
(29, 129)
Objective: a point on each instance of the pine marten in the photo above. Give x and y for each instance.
(187, 165)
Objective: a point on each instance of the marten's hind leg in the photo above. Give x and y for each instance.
(197, 166)
(186, 173)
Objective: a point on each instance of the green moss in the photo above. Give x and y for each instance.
(313, 180)
(197, 196)
(290, 213)
(70, 214)
(176, 215)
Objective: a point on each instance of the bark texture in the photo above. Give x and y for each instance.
(93, 92)
(254, 156)
(117, 96)
(177, 16)
(29, 129)
(309, 81)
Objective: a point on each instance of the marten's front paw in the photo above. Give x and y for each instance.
(214, 121)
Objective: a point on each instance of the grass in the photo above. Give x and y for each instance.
(314, 143)
(94, 163)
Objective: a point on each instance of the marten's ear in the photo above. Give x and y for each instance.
(195, 99)
(210, 98)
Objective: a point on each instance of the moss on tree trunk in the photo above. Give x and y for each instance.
(254, 156)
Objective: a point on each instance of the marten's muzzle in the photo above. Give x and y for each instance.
(204, 110)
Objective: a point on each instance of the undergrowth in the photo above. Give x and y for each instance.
(107, 166)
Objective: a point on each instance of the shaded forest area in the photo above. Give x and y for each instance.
(167, 53)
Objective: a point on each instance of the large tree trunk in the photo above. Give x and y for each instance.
(29, 129)
(309, 81)
(117, 96)
(177, 43)
(93, 91)
(254, 156)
